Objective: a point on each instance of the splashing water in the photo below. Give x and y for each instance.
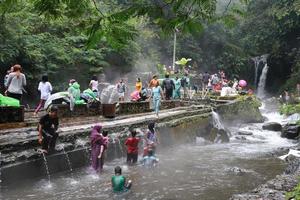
(47, 170)
(262, 82)
(217, 120)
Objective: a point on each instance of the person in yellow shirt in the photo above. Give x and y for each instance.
(138, 85)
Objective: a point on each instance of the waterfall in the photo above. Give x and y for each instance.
(256, 65)
(217, 121)
(262, 82)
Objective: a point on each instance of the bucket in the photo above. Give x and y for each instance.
(109, 110)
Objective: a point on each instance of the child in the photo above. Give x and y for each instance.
(132, 148)
(150, 160)
(118, 181)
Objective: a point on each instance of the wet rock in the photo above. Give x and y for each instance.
(291, 131)
(244, 133)
(237, 171)
(240, 138)
(272, 126)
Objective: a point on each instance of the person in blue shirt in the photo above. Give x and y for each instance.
(150, 160)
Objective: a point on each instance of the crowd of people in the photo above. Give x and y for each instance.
(99, 141)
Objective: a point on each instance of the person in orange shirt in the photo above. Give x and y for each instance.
(153, 82)
(138, 85)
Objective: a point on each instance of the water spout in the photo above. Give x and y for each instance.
(47, 168)
(217, 121)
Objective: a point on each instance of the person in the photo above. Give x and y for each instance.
(121, 88)
(153, 82)
(132, 147)
(94, 85)
(99, 144)
(138, 85)
(176, 93)
(184, 84)
(206, 78)
(157, 94)
(144, 94)
(47, 129)
(298, 89)
(286, 96)
(118, 181)
(45, 88)
(15, 83)
(168, 87)
(151, 140)
(74, 93)
(150, 160)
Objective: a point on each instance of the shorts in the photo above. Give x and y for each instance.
(121, 94)
(132, 157)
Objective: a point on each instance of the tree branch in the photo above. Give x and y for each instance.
(226, 9)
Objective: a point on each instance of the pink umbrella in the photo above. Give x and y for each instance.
(242, 83)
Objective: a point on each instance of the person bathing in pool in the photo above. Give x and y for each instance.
(118, 181)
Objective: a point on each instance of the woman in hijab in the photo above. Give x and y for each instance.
(99, 145)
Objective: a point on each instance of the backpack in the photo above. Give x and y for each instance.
(183, 82)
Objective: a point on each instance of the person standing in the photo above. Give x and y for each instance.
(138, 85)
(177, 83)
(157, 95)
(185, 84)
(47, 128)
(94, 84)
(168, 87)
(206, 78)
(151, 139)
(45, 89)
(132, 148)
(98, 146)
(121, 88)
(153, 82)
(15, 83)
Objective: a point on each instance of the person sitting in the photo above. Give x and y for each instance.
(135, 96)
(47, 128)
(150, 160)
(118, 181)
(144, 94)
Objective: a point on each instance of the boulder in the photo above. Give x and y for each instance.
(272, 126)
(291, 131)
(244, 133)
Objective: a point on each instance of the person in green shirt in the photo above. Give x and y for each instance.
(118, 181)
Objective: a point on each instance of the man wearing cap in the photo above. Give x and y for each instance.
(47, 128)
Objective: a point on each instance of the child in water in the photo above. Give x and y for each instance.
(118, 181)
(150, 160)
(132, 147)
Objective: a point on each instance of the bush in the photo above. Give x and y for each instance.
(289, 109)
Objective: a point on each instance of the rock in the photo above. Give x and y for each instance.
(240, 138)
(237, 171)
(244, 133)
(290, 131)
(272, 126)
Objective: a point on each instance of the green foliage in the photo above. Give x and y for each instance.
(295, 194)
(289, 109)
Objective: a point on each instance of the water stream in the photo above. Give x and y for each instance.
(185, 171)
(47, 169)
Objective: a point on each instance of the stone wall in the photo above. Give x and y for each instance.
(169, 104)
(83, 110)
(11, 114)
(134, 107)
